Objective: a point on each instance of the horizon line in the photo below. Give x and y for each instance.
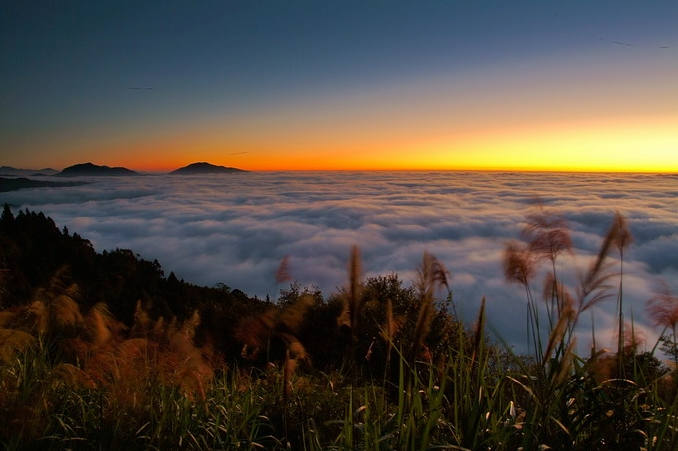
(400, 169)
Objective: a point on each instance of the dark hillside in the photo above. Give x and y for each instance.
(33, 250)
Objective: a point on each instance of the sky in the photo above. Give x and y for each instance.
(237, 228)
(277, 85)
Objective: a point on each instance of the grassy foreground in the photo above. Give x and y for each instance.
(375, 366)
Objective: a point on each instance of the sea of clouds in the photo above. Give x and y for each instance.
(236, 228)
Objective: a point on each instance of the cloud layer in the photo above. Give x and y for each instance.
(235, 229)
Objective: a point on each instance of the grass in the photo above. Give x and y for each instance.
(407, 375)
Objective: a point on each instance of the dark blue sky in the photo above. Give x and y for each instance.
(69, 66)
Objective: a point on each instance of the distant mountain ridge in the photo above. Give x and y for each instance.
(205, 168)
(11, 171)
(90, 169)
(13, 184)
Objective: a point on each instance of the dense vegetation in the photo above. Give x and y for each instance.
(101, 350)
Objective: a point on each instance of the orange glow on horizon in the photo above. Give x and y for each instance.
(559, 118)
(587, 114)
(630, 145)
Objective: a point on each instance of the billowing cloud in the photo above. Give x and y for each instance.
(235, 229)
